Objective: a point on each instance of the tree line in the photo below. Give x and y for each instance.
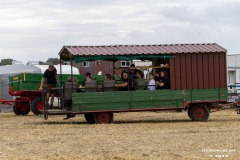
(9, 61)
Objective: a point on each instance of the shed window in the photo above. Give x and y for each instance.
(85, 64)
(125, 63)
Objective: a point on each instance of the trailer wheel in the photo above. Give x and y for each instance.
(37, 106)
(189, 110)
(89, 117)
(199, 112)
(103, 117)
(21, 108)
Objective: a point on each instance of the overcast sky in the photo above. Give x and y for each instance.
(33, 30)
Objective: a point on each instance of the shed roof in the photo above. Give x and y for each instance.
(136, 50)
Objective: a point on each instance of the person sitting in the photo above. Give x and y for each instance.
(156, 74)
(125, 82)
(90, 84)
(108, 84)
(112, 77)
(107, 77)
(139, 83)
(151, 83)
(132, 72)
(87, 76)
(72, 79)
(163, 82)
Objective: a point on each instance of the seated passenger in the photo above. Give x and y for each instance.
(156, 74)
(139, 83)
(107, 77)
(132, 72)
(151, 83)
(125, 82)
(163, 82)
(112, 77)
(108, 84)
(72, 79)
(87, 78)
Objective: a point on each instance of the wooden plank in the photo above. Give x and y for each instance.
(172, 73)
(216, 65)
(211, 72)
(189, 77)
(223, 70)
(205, 71)
(177, 72)
(194, 70)
(183, 75)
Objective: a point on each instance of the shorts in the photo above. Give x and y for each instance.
(49, 87)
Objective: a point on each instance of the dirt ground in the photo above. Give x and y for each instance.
(139, 135)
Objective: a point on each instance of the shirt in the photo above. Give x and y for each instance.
(51, 76)
(151, 85)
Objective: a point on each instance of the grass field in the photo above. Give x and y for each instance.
(142, 135)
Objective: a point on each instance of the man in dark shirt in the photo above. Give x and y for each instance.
(51, 75)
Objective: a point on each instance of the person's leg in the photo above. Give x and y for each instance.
(48, 94)
(52, 94)
(52, 99)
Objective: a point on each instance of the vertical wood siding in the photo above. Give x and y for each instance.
(198, 71)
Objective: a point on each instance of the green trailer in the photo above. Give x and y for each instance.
(25, 87)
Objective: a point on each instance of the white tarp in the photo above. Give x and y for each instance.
(66, 69)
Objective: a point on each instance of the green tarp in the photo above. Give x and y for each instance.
(79, 59)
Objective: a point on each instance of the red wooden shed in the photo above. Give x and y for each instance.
(192, 66)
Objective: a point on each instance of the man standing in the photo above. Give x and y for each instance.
(51, 75)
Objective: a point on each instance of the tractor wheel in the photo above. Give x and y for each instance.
(89, 117)
(21, 108)
(103, 117)
(37, 106)
(199, 112)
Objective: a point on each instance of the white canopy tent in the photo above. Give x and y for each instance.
(66, 69)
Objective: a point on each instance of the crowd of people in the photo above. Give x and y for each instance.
(131, 79)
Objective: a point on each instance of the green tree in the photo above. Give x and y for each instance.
(6, 62)
(54, 61)
(42, 63)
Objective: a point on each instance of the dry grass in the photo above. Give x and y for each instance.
(146, 135)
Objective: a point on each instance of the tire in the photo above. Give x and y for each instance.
(21, 108)
(89, 117)
(103, 117)
(188, 110)
(37, 106)
(199, 112)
